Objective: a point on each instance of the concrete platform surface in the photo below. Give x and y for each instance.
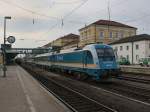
(20, 92)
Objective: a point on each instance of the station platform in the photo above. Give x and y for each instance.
(20, 92)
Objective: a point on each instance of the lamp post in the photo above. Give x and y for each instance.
(4, 52)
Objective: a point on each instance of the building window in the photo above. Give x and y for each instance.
(127, 57)
(137, 46)
(121, 48)
(130, 33)
(137, 57)
(127, 48)
(89, 31)
(120, 35)
(121, 56)
(116, 48)
(116, 34)
(110, 34)
(101, 35)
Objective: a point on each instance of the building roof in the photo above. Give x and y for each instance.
(69, 36)
(110, 23)
(140, 37)
(72, 43)
(47, 45)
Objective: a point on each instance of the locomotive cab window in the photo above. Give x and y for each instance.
(104, 52)
(100, 52)
(108, 52)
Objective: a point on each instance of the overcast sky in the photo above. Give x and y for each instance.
(37, 22)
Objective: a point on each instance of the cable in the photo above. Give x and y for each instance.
(75, 9)
(80, 22)
(71, 2)
(43, 15)
(36, 13)
(66, 16)
(30, 11)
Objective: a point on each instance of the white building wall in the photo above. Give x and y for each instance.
(142, 51)
(148, 48)
(124, 52)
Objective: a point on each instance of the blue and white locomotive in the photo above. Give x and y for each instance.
(96, 60)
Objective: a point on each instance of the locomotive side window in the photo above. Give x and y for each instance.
(89, 57)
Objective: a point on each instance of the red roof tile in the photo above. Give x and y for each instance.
(111, 23)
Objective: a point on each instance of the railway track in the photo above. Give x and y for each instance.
(127, 90)
(76, 104)
(129, 78)
(74, 100)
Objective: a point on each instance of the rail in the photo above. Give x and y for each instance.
(74, 100)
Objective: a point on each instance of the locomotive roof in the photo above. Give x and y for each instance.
(77, 50)
(45, 54)
(99, 45)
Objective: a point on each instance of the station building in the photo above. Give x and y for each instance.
(105, 31)
(133, 47)
(67, 41)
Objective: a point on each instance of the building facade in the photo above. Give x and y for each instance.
(64, 41)
(104, 31)
(133, 48)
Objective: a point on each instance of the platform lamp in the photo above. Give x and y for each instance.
(4, 52)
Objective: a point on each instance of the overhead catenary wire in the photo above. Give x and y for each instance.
(70, 2)
(29, 10)
(76, 8)
(40, 14)
(44, 15)
(81, 22)
(67, 15)
(37, 13)
(75, 22)
(51, 17)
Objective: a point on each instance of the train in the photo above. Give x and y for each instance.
(96, 61)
